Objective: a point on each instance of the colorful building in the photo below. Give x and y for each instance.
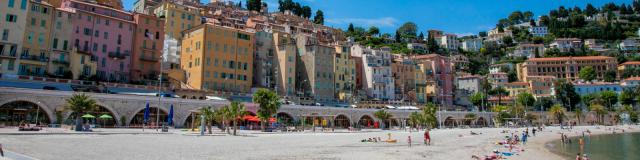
(515, 88)
(596, 87)
(218, 58)
(377, 79)
(568, 67)
(36, 50)
(344, 72)
(13, 29)
(285, 61)
(443, 74)
(178, 17)
(61, 44)
(315, 68)
(542, 86)
(147, 50)
(105, 33)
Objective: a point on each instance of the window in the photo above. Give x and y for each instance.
(120, 25)
(10, 64)
(65, 44)
(87, 31)
(11, 18)
(106, 22)
(55, 43)
(96, 33)
(104, 48)
(5, 34)
(30, 37)
(119, 39)
(106, 35)
(23, 4)
(41, 38)
(43, 23)
(33, 21)
(95, 47)
(11, 3)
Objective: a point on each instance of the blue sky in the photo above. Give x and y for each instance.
(461, 17)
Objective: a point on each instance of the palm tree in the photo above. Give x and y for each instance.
(429, 115)
(235, 112)
(578, 112)
(600, 112)
(208, 115)
(220, 116)
(384, 116)
(269, 105)
(80, 104)
(415, 119)
(558, 112)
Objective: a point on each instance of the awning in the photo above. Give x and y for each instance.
(256, 119)
(390, 107)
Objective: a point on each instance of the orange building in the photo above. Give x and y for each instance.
(568, 67)
(218, 58)
(147, 50)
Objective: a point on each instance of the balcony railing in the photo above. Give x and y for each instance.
(34, 58)
(8, 54)
(60, 61)
(118, 55)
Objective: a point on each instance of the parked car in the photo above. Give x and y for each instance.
(49, 88)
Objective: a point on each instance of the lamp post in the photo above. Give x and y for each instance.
(159, 93)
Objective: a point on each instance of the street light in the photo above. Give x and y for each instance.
(159, 92)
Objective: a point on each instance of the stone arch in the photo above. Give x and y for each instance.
(49, 113)
(152, 111)
(366, 121)
(449, 122)
(342, 121)
(481, 122)
(285, 118)
(114, 112)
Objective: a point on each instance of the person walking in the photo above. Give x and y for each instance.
(533, 131)
(1, 152)
(427, 137)
(409, 141)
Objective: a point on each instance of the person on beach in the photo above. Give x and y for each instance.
(533, 131)
(562, 138)
(578, 157)
(427, 137)
(524, 138)
(409, 141)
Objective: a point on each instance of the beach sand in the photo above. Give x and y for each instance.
(446, 144)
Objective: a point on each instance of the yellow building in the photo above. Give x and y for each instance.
(82, 65)
(36, 49)
(345, 73)
(515, 88)
(285, 49)
(177, 18)
(12, 28)
(218, 58)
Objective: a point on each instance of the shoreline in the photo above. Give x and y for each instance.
(538, 148)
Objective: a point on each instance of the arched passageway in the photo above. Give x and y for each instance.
(481, 122)
(342, 121)
(366, 121)
(284, 118)
(102, 117)
(138, 118)
(14, 113)
(449, 122)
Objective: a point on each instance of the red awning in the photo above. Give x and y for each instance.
(256, 119)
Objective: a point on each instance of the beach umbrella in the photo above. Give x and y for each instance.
(104, 116)
(146, 113)
(170, 117)
(88, 116)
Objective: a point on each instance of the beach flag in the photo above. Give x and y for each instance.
(146, 113)
(170, 117)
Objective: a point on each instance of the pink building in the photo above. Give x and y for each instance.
(147, 51)
(443, 76)
(106, 34)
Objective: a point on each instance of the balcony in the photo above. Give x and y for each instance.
(34, 58)
(60, 61)
(117, 55)
(149, 58)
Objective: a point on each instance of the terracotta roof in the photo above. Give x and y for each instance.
(631, 62)
(570, 58)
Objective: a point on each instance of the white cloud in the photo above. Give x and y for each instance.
(378, 22)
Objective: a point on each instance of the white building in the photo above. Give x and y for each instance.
(629, 45)
(472, 45)
(417, 47)
(495, 35)
(566, 44)
(528, 50)
(592, 44)
(539, 31)
(377, 77)
(450, 42)
(470, 83)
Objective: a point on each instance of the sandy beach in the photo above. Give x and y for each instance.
(447, 144)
